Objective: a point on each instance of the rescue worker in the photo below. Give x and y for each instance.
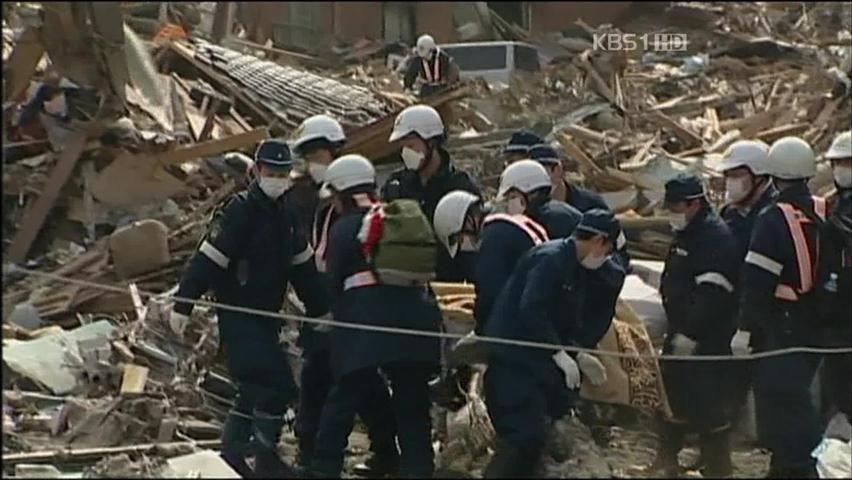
(836, 282)
(318, 140)
(251, 252)
(778, 301)
(428, 174)
(458, 221)
(525, 188)
(524, 386)
(748, 191)
(578, 197)
(518, 147)
(407, 360)
(432, 65)
(697, 288)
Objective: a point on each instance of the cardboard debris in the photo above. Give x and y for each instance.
(203, 464)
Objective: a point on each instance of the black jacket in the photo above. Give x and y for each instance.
(742, 225)
(698, 283)
(250, 254)
(406, 183)
(415, 70)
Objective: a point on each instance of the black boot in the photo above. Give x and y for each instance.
(268, 463)
(716, 453)
(236, 435)
(504, 462)
(668, 446)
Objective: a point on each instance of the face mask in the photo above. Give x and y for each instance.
(593, 262)
(515, 206)
(678, 221)
(273, 187)
(412, 158)
(737, 189)
(317, 171)
(842, 177)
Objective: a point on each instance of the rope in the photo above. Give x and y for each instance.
(425, 333)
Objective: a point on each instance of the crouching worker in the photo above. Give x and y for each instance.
(249, 255)
(366, 293)
(524, 386)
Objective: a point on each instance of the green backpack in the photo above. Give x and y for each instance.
(397, 239)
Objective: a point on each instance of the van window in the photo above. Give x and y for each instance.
(526, 58)
(478, 58)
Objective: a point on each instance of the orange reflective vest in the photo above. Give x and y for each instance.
(796, 219)
(536, 232)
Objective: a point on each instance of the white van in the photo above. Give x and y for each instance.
(493, 61)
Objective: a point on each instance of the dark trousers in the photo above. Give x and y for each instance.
(522, 407)
(316, 383)
(788, 422)
(261, 372)
(410, 408)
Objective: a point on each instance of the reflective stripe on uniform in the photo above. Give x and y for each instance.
(360, 279)
(715, 278)
(214, 254)
(764, 262)
(303, 256)
(620, 241)
(536, 232)
(786, 292)
(434, 75)
(321, 243)
(795, 219)
(820, 207)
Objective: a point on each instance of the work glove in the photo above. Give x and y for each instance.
(592, 368)
(178, 322)
(569, 367)
(740, 344)
(683, 345)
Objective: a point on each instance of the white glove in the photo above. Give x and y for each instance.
(569, 367)
(683, 345)
(740, 343)
(322, 327)
(178, 322)
(592, 368)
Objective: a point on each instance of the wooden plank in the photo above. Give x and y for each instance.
(212, 147)
(301, 58)
(209, 122)
(578, 154)
(21, 64)
(587, 134)
(725, 140)
(597, 82)
(639, 159)
(134, 379)
(36, 216)
(685, 135)
(240, 120)
(773, 134)
(91, 455)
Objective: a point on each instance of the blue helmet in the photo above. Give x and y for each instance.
(274, 153)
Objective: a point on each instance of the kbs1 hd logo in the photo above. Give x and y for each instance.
(658, 42)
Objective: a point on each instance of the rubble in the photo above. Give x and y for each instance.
(134, 141)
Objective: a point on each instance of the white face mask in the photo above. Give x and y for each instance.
(317, 171)
(593, 262)
(273, 187)
(842, 176)
(678, 221)
(412, 158)
(515, 206)
(737, 189)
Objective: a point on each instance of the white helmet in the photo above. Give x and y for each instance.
(841, 147)
(752, 154)
(791, 158)
(425, 45)
(525, 176)
(348, 171)
(420, 119)
(449, 216)
(317, 127)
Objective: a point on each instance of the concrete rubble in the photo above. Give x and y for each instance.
(112, 179)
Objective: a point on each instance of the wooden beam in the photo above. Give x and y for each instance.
(35, 217)
(22, 63)
(685, 135)
(599, 84)
(90, 455)
(210, 121)
(578, 154)
(212, 147)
